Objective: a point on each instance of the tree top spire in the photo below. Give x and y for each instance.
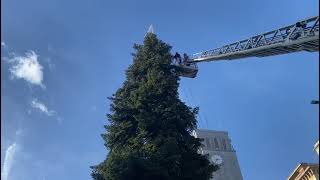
(151, 30)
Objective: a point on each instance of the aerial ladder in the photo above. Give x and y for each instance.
(300, 36)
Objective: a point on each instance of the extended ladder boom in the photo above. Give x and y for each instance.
(301, 36)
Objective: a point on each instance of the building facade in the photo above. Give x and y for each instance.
(218, 146)
(306, 171)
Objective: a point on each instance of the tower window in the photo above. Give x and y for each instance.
(224, 144)
(208, 143)
(216, 145)
(212, 143)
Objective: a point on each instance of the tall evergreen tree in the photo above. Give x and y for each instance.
(149, 134)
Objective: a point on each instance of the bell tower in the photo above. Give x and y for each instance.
(221, 152)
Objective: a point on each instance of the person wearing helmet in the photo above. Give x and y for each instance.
(185, 59)
(299, 30)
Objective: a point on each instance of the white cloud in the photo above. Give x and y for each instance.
(8, 161)
(38, 105)
(28, 68)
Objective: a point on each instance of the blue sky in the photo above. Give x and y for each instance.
(60, 60)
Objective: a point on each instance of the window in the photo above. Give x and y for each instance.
(212, 143)
(216, 145)
(208, 143)
(224, 144)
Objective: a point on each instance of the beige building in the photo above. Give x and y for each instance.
(306, 171)
(218, 146)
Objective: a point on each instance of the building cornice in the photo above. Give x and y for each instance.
(316, 147)
(303, 170)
